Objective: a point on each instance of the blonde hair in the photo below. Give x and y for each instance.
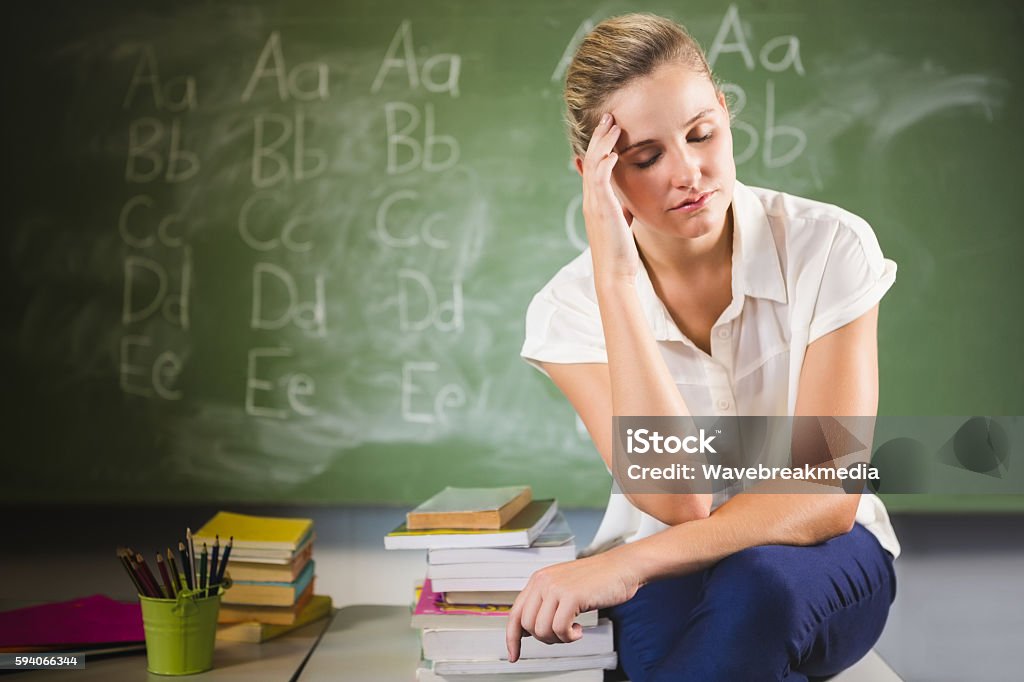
(618, 51)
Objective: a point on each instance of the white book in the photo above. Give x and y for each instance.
(555, 544)
(520, 532)
(469, 645)
(527, 665)
(480, 584)
(473, 621)
(425, 674)
(487, 569)
(281, 557)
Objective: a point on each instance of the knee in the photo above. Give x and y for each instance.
(759, 582)
(751, 615)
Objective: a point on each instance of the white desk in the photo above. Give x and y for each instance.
(359, 644)
(376, 644)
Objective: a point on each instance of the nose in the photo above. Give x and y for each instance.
(685, 166)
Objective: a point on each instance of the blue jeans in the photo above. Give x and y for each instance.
(773, 612)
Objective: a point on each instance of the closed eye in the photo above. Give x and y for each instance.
(651, 161)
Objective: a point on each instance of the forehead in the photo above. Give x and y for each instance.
(667, 97)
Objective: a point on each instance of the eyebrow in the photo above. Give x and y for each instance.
(641, 143)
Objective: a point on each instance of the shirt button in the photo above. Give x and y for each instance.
(724, 333)
(724, 404)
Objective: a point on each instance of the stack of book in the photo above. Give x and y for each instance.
(271, 568)
(483, 544)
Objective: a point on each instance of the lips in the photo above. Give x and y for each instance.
(693, 202)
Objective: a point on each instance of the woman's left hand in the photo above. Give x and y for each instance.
(555, 595)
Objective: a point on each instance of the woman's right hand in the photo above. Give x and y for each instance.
(608, 223)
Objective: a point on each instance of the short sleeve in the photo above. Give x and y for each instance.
(563, 325)
(855, 278)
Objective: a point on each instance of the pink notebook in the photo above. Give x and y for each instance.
(90, 620)
(432, 603)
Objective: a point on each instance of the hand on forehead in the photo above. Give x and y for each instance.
(667, 101)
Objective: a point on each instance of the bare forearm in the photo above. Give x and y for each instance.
(746, 520)
(641, 385)
(640, 380)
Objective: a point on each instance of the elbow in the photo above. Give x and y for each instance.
(686, 508)
(847, 513)
(846, 522)
(673, 509)
(838, 523)
(851, 521)
(827, 523)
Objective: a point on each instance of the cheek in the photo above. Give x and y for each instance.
(635, 189)
(723, 152)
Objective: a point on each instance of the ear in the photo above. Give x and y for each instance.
(578, 162)
(725, 105)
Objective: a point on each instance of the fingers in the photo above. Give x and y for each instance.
(602, 143)
(521, 618)
(562, 623)
(513, 635)
(543, 625)
(531, 606)
(543, 610)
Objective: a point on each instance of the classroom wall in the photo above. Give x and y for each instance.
(281, 251)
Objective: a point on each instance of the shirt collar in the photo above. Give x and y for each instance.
(754, 242)
(759, 274)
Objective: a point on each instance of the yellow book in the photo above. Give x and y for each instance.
(255, 532)
(278, 615)
(318, 607)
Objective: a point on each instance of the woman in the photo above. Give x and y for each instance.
(701, 296)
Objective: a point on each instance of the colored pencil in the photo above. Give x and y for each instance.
(146, 576)
(186, 563)
(166, 577)
(172, 566)
(224, 560)
(203, 585)
(129, 554)
(192, 557)
(213, 563)
(121, 555)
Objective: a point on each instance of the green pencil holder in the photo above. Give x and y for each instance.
(180, 633)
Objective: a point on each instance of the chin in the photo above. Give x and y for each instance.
(697, 225)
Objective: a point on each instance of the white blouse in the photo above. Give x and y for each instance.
(801, 269)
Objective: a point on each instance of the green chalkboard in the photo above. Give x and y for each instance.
(282, 251)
